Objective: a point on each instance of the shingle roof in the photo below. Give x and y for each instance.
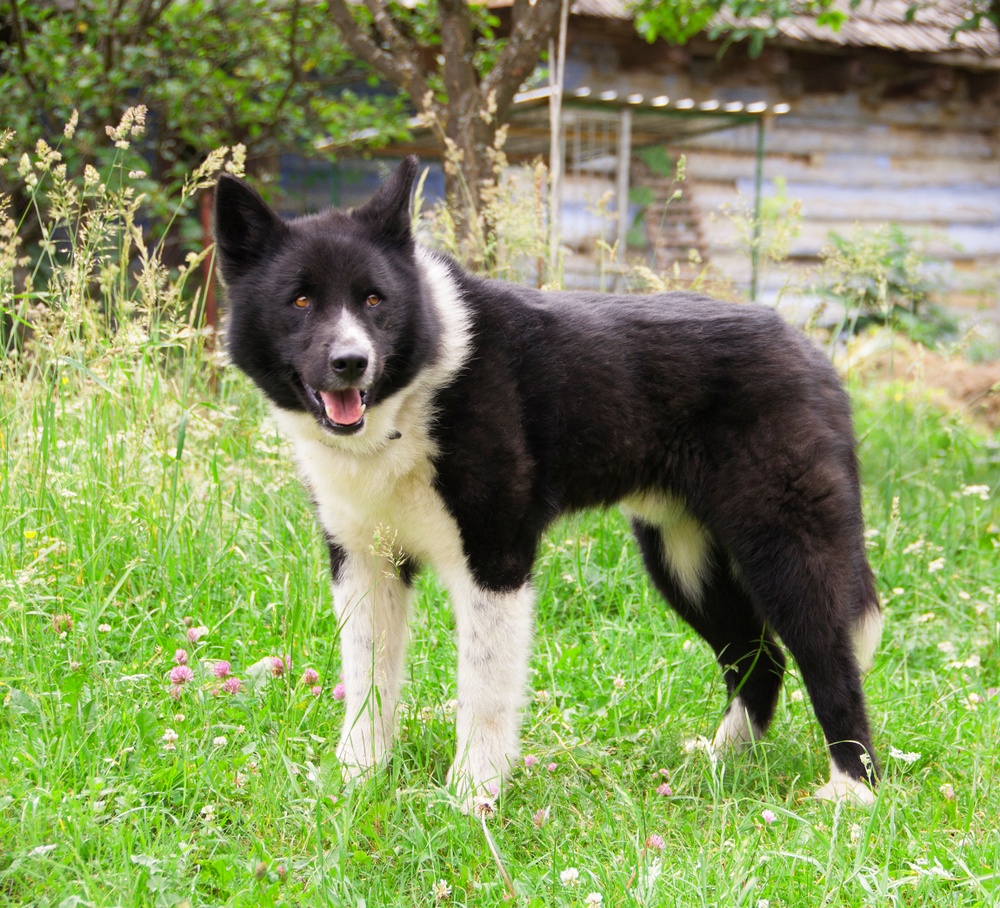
(872, 24)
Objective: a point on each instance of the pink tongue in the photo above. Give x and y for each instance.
(343, 407)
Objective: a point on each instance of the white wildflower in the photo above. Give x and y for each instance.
(974, 661)
(570, 876)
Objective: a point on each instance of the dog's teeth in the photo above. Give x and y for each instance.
(362, 411)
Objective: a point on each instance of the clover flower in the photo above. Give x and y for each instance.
(180, 674)
(569, 877)
(232, 685)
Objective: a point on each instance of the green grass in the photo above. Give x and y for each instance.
(142, 499)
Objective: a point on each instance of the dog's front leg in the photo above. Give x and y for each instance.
(494, 649)
(372, 605)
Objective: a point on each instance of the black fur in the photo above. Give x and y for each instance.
(575, 400)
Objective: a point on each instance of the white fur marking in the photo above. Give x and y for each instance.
(372, 607)
(494, 647)
(375, 497)
(736, 730)
(685, 541)
(843, 787)
(867, 636)
(350, 331)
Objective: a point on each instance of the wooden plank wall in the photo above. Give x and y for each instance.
(873, 137)
(941, 185)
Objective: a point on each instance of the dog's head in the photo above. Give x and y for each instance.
(327, 313)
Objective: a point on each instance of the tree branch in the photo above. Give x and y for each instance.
(531, 28)
(400, 67)
(22, 50)
(386, 27)
(461, 81)
(293, 64)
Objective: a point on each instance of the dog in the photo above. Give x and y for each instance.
(443, 420)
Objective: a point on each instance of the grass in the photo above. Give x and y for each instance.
(148, 506)
(150, 498)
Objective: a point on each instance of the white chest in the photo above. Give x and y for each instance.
(378, 496)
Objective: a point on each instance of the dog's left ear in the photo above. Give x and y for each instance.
(387, 213)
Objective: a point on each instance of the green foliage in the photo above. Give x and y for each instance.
(880, 276)
(754, 20)
(210, 73)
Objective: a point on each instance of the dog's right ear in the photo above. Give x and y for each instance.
(246, 227)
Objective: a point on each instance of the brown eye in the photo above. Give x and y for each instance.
(373, 299)
(302, 302)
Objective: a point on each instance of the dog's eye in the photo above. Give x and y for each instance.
(302, 302)
(373, 299)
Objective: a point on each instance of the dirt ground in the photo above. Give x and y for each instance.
(972, 388)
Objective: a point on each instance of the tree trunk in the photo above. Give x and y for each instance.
(468, 170)
(477, 101)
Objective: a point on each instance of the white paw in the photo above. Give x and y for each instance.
(353, 771)
(359, 755)
(842, 787)
(736, 731)
(469, 792)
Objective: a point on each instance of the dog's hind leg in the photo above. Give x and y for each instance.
(828, 621)
(372, 597)
(698, 581)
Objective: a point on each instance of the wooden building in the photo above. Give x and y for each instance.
(884, 121)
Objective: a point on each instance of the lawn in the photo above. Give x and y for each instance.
(169, 699)
(151, 525)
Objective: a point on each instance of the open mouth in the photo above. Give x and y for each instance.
(342, 411)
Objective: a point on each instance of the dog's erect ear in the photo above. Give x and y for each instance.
(246, 228)
(387, 213)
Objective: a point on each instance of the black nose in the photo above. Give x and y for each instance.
(348, 364)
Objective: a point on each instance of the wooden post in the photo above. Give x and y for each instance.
(758, 185)
(624, 178)
(557, 79)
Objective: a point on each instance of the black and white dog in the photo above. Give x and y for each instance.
(444, 420)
